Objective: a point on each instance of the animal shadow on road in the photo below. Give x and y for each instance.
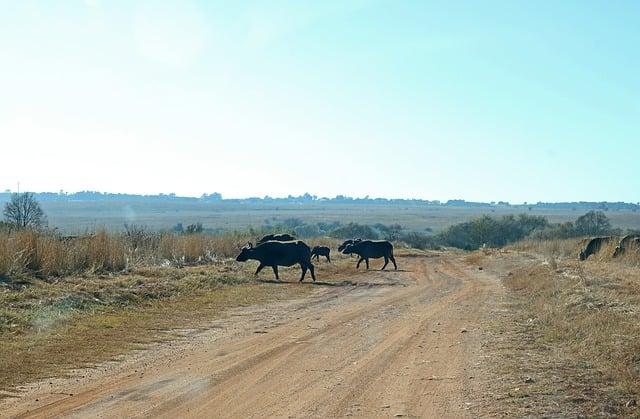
(319, 283)
(345, 283)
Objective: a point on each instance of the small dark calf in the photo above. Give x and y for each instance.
(593, 246)
(375, 249)
(276, 237)
(275, 253)
(318, 251)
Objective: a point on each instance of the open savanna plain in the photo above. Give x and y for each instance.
(77, 217)
(523, 331)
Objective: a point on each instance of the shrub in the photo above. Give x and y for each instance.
(420, 240)
(490, 231)
(352, 230)
(389, 232)
(194, 228)
(593, 223)
(555, 231)
(307, 230)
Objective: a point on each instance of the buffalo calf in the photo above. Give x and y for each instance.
(318, 251)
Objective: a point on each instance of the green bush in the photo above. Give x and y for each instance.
(307, 230)
(490, 231)
(420, 240)
(353, 230)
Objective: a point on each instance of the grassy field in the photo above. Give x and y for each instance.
(80, 217)
(566, 341)
(49, 326)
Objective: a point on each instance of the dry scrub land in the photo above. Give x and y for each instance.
(71, 305)
(533, 333)
(564, 341)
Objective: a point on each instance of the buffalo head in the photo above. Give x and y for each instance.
(245, 252)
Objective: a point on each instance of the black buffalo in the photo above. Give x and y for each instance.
(318, 251)
(276, 237)
(374, 249)
(625, 243)
(593, 246)
(346, 243)
(276, 253)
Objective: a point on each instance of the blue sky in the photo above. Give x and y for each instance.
(480, 100)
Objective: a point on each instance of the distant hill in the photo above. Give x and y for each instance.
(94, 196)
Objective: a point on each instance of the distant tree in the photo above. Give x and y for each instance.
(23, 211)
(178, 228)
(194, 228)
(216, 196)
(593, 223)
(307, 230)
(555, 231)
(292, 222)
(389, 232)
(354, 230)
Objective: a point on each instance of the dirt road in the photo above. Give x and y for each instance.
(403, 343)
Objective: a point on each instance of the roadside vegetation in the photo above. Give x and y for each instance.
(73, 301)
(566, 343)
(48, 327)
(69, 301)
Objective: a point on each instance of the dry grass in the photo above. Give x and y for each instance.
(48, 326)
(555, 248)
(573, 326)
(27, 253)
(30, 253)
(570, 248)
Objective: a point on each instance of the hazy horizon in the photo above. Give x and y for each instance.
(317, 197)
(478, 101)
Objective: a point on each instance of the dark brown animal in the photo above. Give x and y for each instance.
(374, 249)
(625, 243)
(318, 251)
(276, 237)
(593, 246)
(277, 253)
(346, 243)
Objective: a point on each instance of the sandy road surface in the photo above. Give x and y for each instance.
(400, 343)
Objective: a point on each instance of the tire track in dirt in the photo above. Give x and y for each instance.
(362, 351)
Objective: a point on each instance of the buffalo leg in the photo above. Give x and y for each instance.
(313, 272)
(386, 262)
(359, 261)
(304, 270)
(367, 262)
(328, 259)
(275, 271)
(394, 262)
(259, 269)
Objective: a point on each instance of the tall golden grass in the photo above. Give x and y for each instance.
(28, 252)
(585, 311)
(570, 248)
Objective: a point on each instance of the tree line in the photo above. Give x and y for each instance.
(23, 211)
